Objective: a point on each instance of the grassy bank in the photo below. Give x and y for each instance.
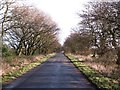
(94, 76)
(13, 74)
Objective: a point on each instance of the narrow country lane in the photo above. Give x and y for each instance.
(57, 72)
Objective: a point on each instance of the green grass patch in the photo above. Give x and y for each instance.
(93, 75)
(12, 75)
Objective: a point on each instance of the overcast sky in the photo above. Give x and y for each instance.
(63, 12)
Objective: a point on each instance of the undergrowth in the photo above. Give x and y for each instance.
(101, 81)
(14, 74)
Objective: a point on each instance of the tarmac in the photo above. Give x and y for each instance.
(57, 73)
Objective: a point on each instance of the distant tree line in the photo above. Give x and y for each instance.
(98, 30)
(77, 43)
(27, 30)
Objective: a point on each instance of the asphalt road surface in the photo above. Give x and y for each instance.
(56, 73)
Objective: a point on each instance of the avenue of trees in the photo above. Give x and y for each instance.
(27, 30)
(99, 30)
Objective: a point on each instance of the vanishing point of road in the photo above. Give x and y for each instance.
(56, 73)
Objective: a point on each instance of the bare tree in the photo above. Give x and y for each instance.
(5, 10)
(101, 19)
(30, 29)
(77, 43)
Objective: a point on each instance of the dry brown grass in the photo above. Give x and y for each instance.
(13, 64)
(106, 64)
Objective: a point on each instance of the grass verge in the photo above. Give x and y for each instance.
(94, 76)
(14, 74)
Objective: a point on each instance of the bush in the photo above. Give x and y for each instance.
(5, 51)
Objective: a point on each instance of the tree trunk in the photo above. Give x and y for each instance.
(20, 52)
(118, 55)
